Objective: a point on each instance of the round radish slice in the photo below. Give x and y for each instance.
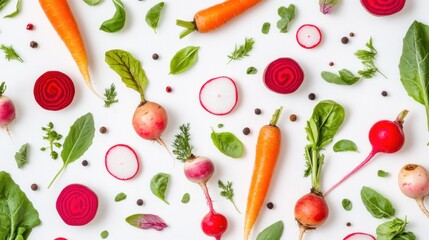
(308, 36)
(383, 7)
(283, 75)
(54, 90)
(122, 162)
(359, 236)
(219, 95)
(77, 205)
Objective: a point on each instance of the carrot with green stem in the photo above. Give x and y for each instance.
(267, 152)
(215, 16)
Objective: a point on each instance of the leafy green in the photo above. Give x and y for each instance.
(17, 214)
(414, 64)
(347, 204)
(251, 70)
(181, 144)
(243, 50)
(3, 3)
(227, 192)
(21, 156)
(186, 198)
(120, 196)
(10, 53)
(159, 184)
(53, 138)
(345, 77)
(326, 6)
(272, 232)
(287, 14)
(117, 22)
(2, 88)
(184, 59)
(376, 204)
(92, 2)
(104, 234)
(146, 221)
(367, 58)
(394, 230)
(266, 27)
(382, 173)
(17, 10)
(78, 140)
(129, 69)
(228, 144)
(153, 15)
(110, 94)
(345, 145)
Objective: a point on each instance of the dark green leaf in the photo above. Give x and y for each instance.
(17, 10)
(104, 234)
(272, 232)
(21, 156)
(184, 59)
(92, 2)
(266, 27)
(347, 204)
(228, 144)
(376, 204)
(389, 230)
(120, 196)
(117, 22)
(382, 173)
(251, 70)
(287, 14)
(345, 77)
(405, 236)
(159, 184)
(153, 15)
(345, 145)
(186, 197)
(243, 50)
(3, 3)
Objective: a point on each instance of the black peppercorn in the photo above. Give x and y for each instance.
(384, 93)
(311, 96)
(344, 40)
(84, 163)
(258, 111)
(270, 205)
(34, 44)
(103, 130)
(155, 56)
(246, 131)
(34, 187)
(139, 202)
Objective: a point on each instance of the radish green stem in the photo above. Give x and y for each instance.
(208, 198)
(420, 202)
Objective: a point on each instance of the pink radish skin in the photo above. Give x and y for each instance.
(7, 109)
(214, 224)
(121, 162)
(199, 169)
(385, 137)
(149, 121)
(308, 36)
(219, 95)
(413, 181)
(359, 236)
(383, 7)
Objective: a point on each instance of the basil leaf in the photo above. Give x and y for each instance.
(345, 145)
(376, 204)
(347, 204)
(129, 69)
(146, 221)
(287, 14)
(266, 27)
(382, 173)
(153, 15)
(414, 64)
(389, 230)
(159, 184)
(228, 144)
(92, 2)
(117, 22)
(251, 70)
(3, 3)
(120, 196)
(21, 156)
(272, 232)
(184, 59)
(186, 198)
(16, 12)
(345, 77)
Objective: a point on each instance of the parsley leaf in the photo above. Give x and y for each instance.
(243, 50)
(227, 192)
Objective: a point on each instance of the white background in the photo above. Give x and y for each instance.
(363, 103)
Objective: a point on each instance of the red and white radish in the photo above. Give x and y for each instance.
(308, 36)
(283, 75)
(311, 211)
(359, 236)
(214, 224)
(7, 109)
(198, 169)
(77, 205)
(383, 7)
(122, 162)
(413, 180)
(149, 121)
(385, 136)
(219, 95)
(54, 90)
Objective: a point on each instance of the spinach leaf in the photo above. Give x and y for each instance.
(266, 27)
(186, 198)
(414, 64)
(405, 236)
(117, 22)
(129, 69)
(287, 14)
(92, 2)
(21, 156)
(251, 70)
(16, 12)
(120, 196)
(153, 15)
(389, 230)
(78, 140)
(382, 173)
(376, 204)
(347, 204)
(228, 144)
(3, 3)
(345, 77)
(159, 184)
(17, 214)
(272, 232)
(184, 59)
(345, 145)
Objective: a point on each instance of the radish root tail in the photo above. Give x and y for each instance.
(302, 230)
(420, 202)
(162, 143)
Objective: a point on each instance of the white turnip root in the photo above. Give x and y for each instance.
(7, 109)
(413, 180)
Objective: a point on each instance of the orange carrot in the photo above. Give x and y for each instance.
(267, 152)
(216, 16)
(64, 23)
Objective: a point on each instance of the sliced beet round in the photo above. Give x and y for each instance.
(54, 90)
(283, 75)
(383, 7)
(77, 205)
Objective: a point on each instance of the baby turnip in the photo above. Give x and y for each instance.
(7, 109)
(413, 180)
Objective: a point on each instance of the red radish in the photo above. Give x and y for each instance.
(54, 90)
(7, 109)
(219, 95)
(413, 180)
(198, 169)
(149, 121)
(383, 7)
(214, 224)
(122, 162)
(77, 205)
(385, 136)
(60, 238)
(359, 236)
(308, 36)
(283, 75)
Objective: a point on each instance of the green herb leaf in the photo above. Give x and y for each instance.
(104, 234)
(272, 232)
(394, 230)
(153, 15)
(347, 204)
(242, 51)
(345, 145)
(21, 156)
(184, 59)
(287, 14)
(78, 140)
(181, 144)
(251, 70)
(228, 144)
(53, 138)
(227, 192)
(3, 3)
(376, 204)
(16, 12)
(345, 77)
(382, 173)
(92, 2)
(110, 94)
(186, 198)
(266, 27)
(367, 58)
(159, 184)
(405, 236)
(129, 69)
(117, 22)
(2, 88)
(10, 53)
(120, 196)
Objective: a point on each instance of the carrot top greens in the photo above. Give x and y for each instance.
(181, 143)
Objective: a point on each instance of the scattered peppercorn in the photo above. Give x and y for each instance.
(34, 44)
(34, 187)
(384, 94)
(270, 205)
(344, 40)
(168, 89)
(311, 96)
(292, 117)
(331, 64)
(348, 224)
(140, 202)
(103, 130)
(84, 163)
(258, 111)
(29, 26)
(351, 34)
(155, 56)
(246, 131)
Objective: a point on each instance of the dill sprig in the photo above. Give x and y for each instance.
(242, 51)
(110, 94)
(181, 143)
(367, 58)
(10, 53)
(227, 192)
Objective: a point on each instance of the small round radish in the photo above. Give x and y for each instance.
(219, 95)
(150, 120)
(308, 36)
(77, 205)
(54, 90)
(383, 7)
(199, 169)
(283, 75)
(214, 224)
(122, 162)
(311, 211)
(359, 236)
(7, 109)
(413, 180)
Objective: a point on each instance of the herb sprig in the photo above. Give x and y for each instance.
(242, 50)
(367, 58)
(10, 53)
(110, 94)
(227, 192)
(181, 143)
(53, 138)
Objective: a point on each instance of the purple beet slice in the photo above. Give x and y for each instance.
(383, 7)
(283, 75)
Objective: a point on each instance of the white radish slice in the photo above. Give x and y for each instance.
(122, 162)
(359, 236)
(219, 95)
(308, 36)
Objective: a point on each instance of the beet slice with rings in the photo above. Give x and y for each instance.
(54, 90)
(383, 7)
(283, 75)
